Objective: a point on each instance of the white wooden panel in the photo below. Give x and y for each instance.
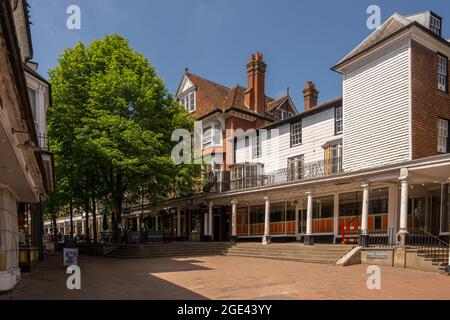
(377, 111)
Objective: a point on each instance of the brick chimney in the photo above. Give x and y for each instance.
(255, 97)
(311, 95)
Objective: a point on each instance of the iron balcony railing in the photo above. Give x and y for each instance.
(44, 143)
(251, 175)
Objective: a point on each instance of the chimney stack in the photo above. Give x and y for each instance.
(311, 96)
(255, 97)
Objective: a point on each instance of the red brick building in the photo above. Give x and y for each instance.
(220, 108)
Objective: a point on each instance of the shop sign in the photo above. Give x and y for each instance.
(377, 255)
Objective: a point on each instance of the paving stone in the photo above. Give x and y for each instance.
(224, 277)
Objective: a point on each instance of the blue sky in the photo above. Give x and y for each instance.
(300, 40)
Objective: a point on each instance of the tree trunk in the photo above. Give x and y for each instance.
(71, 217)
(118, 210)
(94, 219)
(87, 220)
(55, 231)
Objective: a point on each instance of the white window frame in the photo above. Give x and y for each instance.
(296, 167)
(338, 120)
(296, 133)
(336, 151)
(435, 25)
(212, 135)
(189, 101)
(256, 147)
(442, 73)
(442, 128)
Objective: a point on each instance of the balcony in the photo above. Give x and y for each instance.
(217, 181)
(44, 143)
(251, 175)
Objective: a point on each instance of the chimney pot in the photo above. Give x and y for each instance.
(311, 95)
(255, 97)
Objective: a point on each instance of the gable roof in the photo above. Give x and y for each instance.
(223, 98)
(336, 102)
(394, 25)
(281, 101)
(389, 27)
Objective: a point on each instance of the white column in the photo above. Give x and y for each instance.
(296, 221)
(157, 223)
(233, 220)
(309, 213)
(178, 222)
(83, 227)
(403, 209)
(363, 240)
(138, 219)
(309, 217)
(336, 214)
(365, 209)
(210, 220)
(205, 224)
(266, 238)
(248, 221)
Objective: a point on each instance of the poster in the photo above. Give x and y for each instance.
(70, 257)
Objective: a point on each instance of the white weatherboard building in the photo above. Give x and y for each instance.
(374, 163)
(26, 165)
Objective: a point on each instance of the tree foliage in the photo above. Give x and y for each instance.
(110, 126)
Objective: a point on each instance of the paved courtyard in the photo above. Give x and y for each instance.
(220, 277)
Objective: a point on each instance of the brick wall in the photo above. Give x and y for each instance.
(428, 102)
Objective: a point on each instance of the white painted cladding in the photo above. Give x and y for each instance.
(318, 129)
(376, 110)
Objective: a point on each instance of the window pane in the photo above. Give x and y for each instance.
(350, 204)
(442, 128)
(217, 135)
(192, 101)
(323, 207)
(296, 134)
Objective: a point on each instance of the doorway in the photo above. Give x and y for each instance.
(217, 236)
(424, 211)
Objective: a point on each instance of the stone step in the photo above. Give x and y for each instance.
(168, 249)
(295, 245)
(308, 260)
(282, 252)
(179, 254)
(289, 251)
(175, 249)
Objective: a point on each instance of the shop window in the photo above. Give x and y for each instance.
(323, 207)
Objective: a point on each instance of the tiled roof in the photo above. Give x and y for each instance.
(215, 92)
(336, 102)
(276, 103)
(224, 98)
(391, 26)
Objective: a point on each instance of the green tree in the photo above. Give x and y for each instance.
(110, 126)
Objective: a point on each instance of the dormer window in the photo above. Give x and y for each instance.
(188, 101)
(285, 114)
(435, 24)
